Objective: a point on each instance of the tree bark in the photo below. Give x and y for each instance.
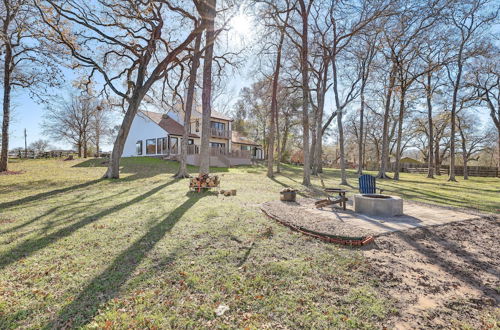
(113, 171)
(456, 86)
(274, 104)
(4, 158)
(206, 96)
(284, 141)
(385, 133)
(430, 157)
(318, 152)
(195, 62)
(305, 93)
(400, 132)
(361, 128)
(340, 128)
(85, 144)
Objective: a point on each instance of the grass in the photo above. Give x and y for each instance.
(141, 252)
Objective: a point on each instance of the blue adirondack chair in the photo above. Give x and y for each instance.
(368, 184)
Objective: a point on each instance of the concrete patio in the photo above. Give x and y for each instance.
(334, 220)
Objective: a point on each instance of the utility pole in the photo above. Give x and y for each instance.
(25, 145)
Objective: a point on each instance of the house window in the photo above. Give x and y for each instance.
(245, 147)
(174, 141)
(190, 141)
(217, 126)
(159, 144)
(217, 145)
(164, 145)
(197, 125)
(138, 147)
(151, 147)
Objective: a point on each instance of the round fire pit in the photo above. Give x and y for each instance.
(376, 204)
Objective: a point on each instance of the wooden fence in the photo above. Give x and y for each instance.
(482, 171)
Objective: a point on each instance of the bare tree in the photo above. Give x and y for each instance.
(26, 60)
(472, 142)
(39, 146)
(484, 78)
(469, 19)
(274, 92)
(195, 63)
(125, 43)
(208, 14)
(100, 125)
(344, 31)
(71, 120)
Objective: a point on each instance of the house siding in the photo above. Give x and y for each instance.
(142, 129)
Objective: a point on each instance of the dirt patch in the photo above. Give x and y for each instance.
(440, 276)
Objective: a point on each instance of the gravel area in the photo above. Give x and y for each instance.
(303, 213)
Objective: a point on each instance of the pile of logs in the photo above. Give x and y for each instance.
(204, 181)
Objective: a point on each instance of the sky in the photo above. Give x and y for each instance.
(28, 114)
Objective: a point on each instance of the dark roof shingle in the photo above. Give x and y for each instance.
(167, 123)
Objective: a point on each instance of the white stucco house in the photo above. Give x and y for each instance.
(154, 134)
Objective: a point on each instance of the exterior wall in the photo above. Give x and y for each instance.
(259, 153)
(142, 129)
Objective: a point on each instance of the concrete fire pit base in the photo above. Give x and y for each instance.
(375, 204)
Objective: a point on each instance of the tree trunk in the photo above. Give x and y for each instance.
(400, 133)
(284, 141)
(79, 147)
(97, 138)
(430, 157)
(456, 86)
(4, 157)
(437, 158)
(85, 145)
(318, 152)
(113, 171)
(361, 128)
(385, 133)
(274, 105)
(498, 155)
(312, 150)
(278, 144)
(305, 94)
(206, 96)
(343, 175)
(195, 62)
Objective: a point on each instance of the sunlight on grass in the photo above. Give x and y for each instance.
(142, 252)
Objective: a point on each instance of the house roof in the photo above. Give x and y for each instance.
(167, 123)
(239, 138)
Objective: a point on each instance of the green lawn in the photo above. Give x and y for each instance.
(141, 252)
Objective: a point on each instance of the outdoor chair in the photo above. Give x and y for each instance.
(368, 184)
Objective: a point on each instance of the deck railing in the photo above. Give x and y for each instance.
(217, 133)
(216, 151)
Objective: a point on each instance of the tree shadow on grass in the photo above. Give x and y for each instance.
(56, 212)
(47, 194)
(144, 167)
(466, 272)
(29, 247)
(105, 286)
